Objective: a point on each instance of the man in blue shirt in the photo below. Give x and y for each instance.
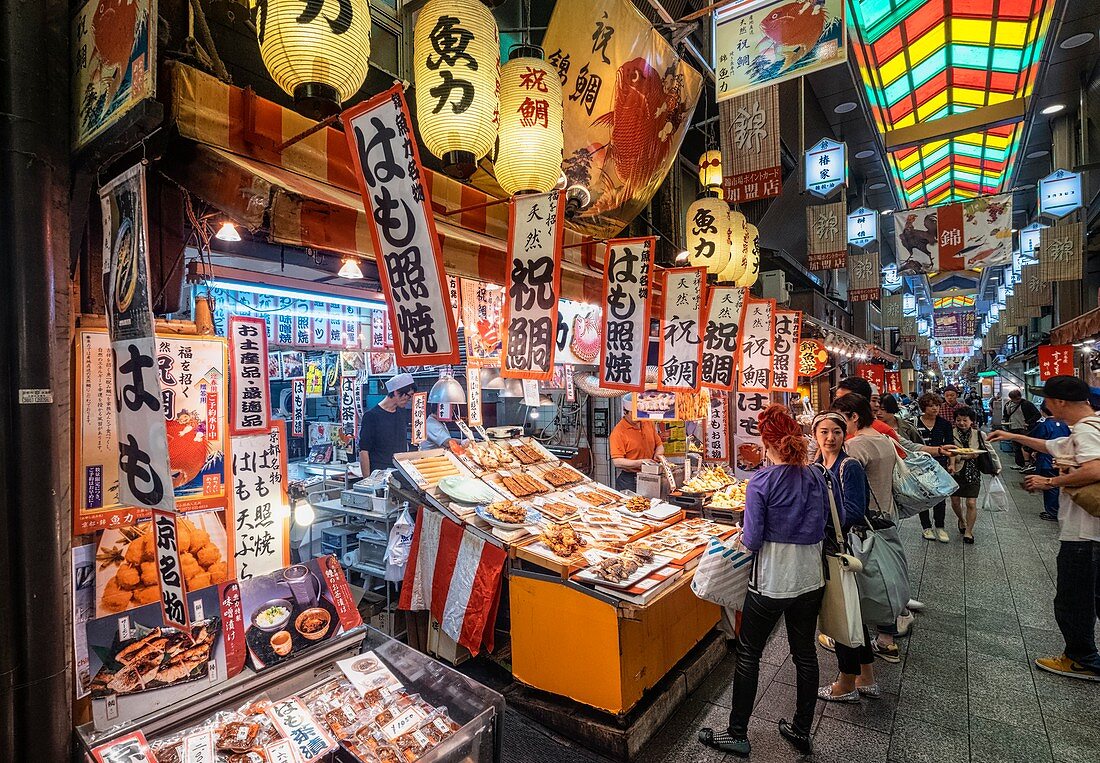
(1048, 428)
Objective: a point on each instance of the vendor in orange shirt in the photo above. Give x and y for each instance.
(633, 443)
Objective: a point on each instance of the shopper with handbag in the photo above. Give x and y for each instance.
(976, 458)
(934, 430)
(1077, 593)
(784, 524)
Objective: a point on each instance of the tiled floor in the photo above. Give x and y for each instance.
(966, 689)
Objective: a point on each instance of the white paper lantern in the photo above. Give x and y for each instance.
(708, 234)
(529, 153)
(456, 67)
(316, 52)
(752, 270)
(740, 245)
(710, 169)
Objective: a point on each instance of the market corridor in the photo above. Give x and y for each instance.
(965, 690)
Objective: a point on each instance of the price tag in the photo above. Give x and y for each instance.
(464, 429)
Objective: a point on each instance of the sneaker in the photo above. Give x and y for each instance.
(929, 534)
(726, 742)
(942, 536)
(915, 606)
(1047, 516)
(886, 652)
(904, 622)
(826, 642)
(1064, 666)
(1029, 470)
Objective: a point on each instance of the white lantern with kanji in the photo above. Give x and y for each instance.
(456, 67)
(316, 52)
(740, 245)
(752, 269)
(708, 234)
(531, 140)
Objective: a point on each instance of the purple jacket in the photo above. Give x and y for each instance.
(784, 504)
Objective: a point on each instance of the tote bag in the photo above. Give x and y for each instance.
(840, 615)
(920, 483)
(723, 573)
(884, 581)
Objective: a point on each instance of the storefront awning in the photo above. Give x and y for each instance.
(1077, 329)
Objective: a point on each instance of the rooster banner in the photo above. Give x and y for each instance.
(776, 42)
(750, 146)
(916, 240)
(974, 234)
(628, 103)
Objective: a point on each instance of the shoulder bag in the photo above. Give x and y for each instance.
(840, 615)
(987, 460)
(1086, 496)
(722, 576)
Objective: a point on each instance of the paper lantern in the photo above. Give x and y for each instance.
(740, 245)
(752, 269)
(708, 234)
(315, 52)
(529, 153)
(710, 169)
(456, 66)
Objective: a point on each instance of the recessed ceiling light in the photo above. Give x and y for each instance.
(876, 186)
(844, 108)
(1075, 41)
(865, 154)
(1054, 108)
(1037, 154)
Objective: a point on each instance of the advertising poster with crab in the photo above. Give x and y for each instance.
(628, 103)
(192, 377)
(114, 63)
(775, 42)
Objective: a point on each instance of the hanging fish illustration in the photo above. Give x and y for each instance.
(792, 30)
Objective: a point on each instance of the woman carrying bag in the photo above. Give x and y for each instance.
(968, 469)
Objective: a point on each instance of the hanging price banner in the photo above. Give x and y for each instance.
(720, 331)
(718, 438)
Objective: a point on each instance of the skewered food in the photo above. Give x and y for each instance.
(637, 504)
(490, 455)
(557, 510)
(507, 511)
(527, 454)
(522, 485)
(563, 476)
(563, 540)
(730, 497)
(618, 568)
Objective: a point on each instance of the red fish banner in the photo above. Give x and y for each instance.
(874, 373)
(1055, 360)
(410, 264)
(757, 348)
(893, 382)
(628, 103)
(751, 164)
(788, 332)
(718, 433)
(720, 330)
(680, 353)
(251, 411)
(628, 267)
(827, 235)
(535, 228)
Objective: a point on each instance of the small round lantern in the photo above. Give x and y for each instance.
(531, 139)
(710, 170)
(708, 234)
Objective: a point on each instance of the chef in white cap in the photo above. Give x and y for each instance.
(384, 430)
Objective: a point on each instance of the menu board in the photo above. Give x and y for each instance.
(260, 532)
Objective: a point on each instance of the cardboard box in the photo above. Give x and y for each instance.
(443, 647)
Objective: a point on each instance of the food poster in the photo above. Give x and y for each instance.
(294, 364)
(315, 374)
(139, 666)
(693, 406)
(192, 376)
(579, 333)
(287, 611)
(382, 364)
(748, 450)
(260, 532)
(482, 316)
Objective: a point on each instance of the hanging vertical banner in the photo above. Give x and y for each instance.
(173, 596)
(718, 435)
(628, 266)
(952, 239)
(473, 397)
(482, 317)
(303, 326)
(419, 418)
(297, 407)
(335, 326)
(1036, 292)
(825, 167)
(628, 103)
(751, 165)
(1060, 248)
(825, 236)
(535, 227)
(349, 418)
(1056, 360)
(406, 244)
(874, 373)
(720, 331)
(350, 314)
(748, 450)
(251, 409)
(680, 353)
(916, 241)
(318, 312)
(788, 333)
(987, 222)
(757, 346)
(570, 387)
(455, 296)
(260, 532)
(1029, 240)
(893, 382)
(864, 277)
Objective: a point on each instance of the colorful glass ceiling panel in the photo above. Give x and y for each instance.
(945, 302)
(923, 60)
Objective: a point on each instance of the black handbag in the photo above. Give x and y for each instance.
(985, 462)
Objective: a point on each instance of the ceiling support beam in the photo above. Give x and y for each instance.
(952, 126)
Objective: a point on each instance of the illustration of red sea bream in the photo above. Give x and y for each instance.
(586, 336)
(113, 30)
(792, 30)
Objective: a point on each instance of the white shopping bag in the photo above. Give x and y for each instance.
(723, 573)
(996, 499)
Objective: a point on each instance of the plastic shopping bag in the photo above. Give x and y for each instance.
(397, 548)
(996, 498)
(723, 573)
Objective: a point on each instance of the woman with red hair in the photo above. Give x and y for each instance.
(785, 509)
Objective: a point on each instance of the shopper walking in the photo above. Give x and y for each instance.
(964, 466)
(1020, 415)
(785, 509)
(890, 412)
(950, 404)
(1048, 428)
(1076, 602)
(934, 430)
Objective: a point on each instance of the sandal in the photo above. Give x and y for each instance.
(968, 539)
(724, 741)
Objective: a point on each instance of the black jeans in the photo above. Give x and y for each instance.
(939, 511)
(1018, 449)
(758, 620)
(849, 659)
(1077, 601)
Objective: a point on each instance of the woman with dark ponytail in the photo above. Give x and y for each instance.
(785, 509)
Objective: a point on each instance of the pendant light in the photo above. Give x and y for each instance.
(740, 246)
(710, 170)
(531, 140)
(318, 52)
(708, 234)
(350, 269)
(456, 66)
(447, 391)
(227, 232)
(752, 271)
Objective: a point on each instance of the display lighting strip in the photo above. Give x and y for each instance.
(294, 294)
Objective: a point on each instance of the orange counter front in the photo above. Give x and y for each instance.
(602, 654)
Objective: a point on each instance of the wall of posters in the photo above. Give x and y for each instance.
(826, 236)
(751, 164)
(628, 267)
(482, 317)
(535, 226)
(680, 354)
(788, 332)
(864, 277)
(249, 389)
(260, 532)
(718, 434)
(757, 347)
(410, 264)
(720, 331)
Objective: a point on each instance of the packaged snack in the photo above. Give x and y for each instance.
(237, 736)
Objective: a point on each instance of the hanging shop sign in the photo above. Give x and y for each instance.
(718, 433)
(955, 323)
(1060, 193)
(812, 357)
(1056, 360)
(249, 390)
(1035, 292)
(893, 382)
(319, 322)
(893, 309)
(419, 418)
(535, 228)
(748, 450)
(1029, 240)
(349, 416)
(708, 234)
(749, 125)
(916, 241)
(825, 237)
(114, 63)
(628, 267)
(680, 354)
(173, 594)
(757, 346)
(1060, 252)
(482, 317)
(473, 398)
(874, 373)
(297, 407)
(628, 103)
(864, 277)
(788, 332)
(774, 42)
(825, 167)
(454, 295)
(410, 264)
(260, 532)
(720, 330)
(570, 384)
(862, 227)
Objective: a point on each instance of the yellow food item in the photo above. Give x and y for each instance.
(128, 576)
(116, 599)
(208, 554)
(148, 573)
(710, 478)
(217, 572)
(135, 552)
(147, 594)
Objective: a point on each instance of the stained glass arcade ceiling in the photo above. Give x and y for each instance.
(966, 62)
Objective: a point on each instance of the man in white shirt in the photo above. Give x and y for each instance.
(1077, 598)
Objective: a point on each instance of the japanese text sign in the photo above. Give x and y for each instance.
(874, 373)
(482, 317)
(251, 411)
(261, 509)
(788, 332)
(720, 331)
(751, 164)
(1060, 252)
(1029, 240)
(1060, 193)
(410, 265)
(628, 266)
(864, 277)
(1056, 360)
(718, 436)
(297, 407)
(349, 412)
(536, 223)
(825, 237)
(893, 382)
(748, 450)
(173, 595)
(862, 227)
(754, 364)
(825, 167)
(311, 741)
(681, 351)
(473, 397)
(419, 418)
(812, 357)
(132, 748)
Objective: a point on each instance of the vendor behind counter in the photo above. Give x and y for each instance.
(632, 444)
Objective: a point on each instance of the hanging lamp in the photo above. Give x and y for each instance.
(531, 139)
(708, 234)
(752, 269)
(740, 245)
(710, 170)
